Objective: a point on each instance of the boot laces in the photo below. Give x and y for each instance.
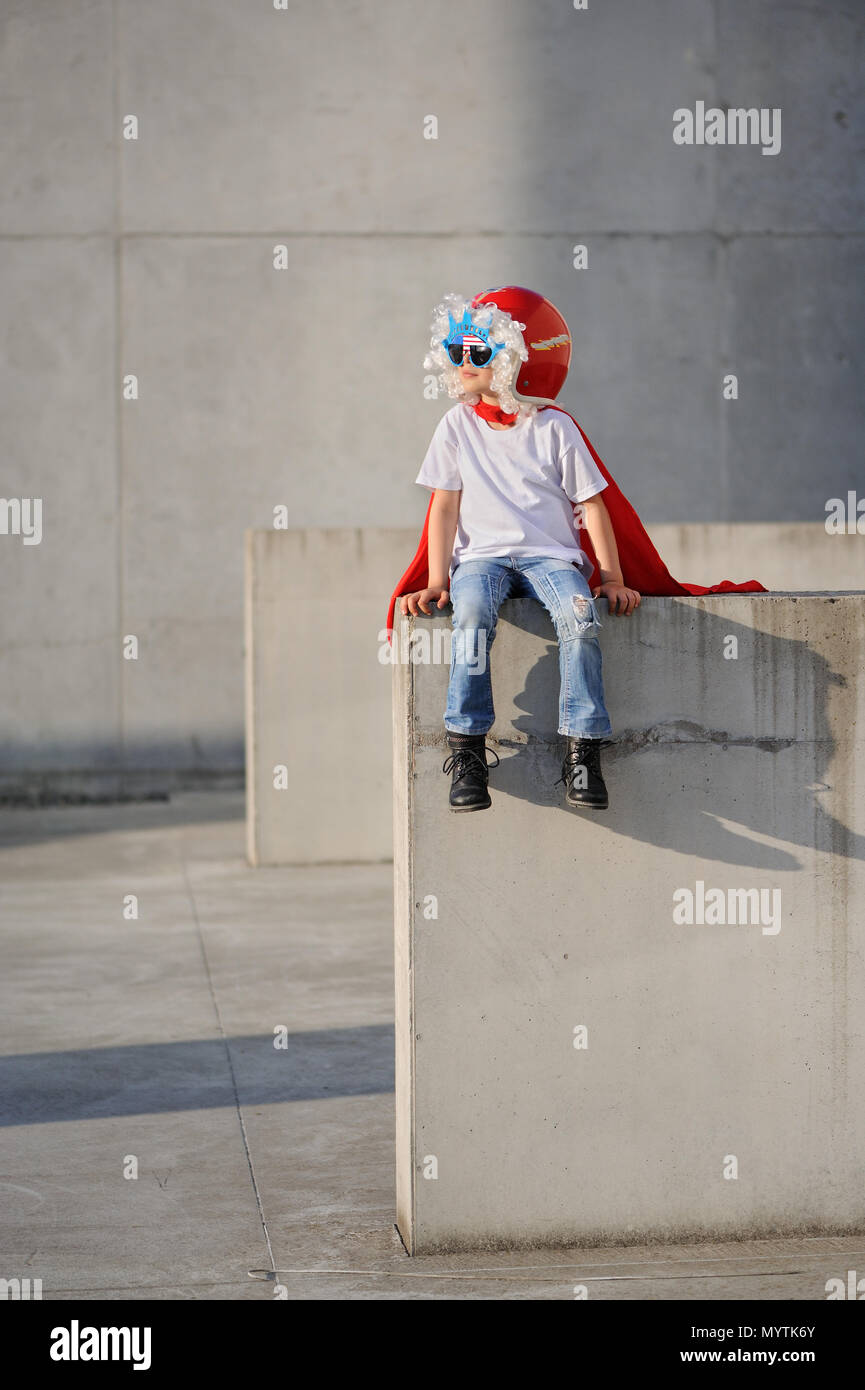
(463, 760)
(583, 754)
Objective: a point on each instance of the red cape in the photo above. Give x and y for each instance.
(642, 567)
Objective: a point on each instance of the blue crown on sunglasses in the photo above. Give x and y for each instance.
(468, 335)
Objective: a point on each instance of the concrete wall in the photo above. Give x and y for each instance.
(303, 386)
(707, 1044)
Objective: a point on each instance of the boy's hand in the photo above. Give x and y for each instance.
(410, 603)
(616, 595)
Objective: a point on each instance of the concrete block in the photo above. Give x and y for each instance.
(303, 582)
(798, 556)
(711, 1048)
(317, 694)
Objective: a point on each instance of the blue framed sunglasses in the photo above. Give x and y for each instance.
(480, 353)
(466, 337)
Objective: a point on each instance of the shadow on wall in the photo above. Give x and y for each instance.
(662, 791)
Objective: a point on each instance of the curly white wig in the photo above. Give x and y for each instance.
(502, 329)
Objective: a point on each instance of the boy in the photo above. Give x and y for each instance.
(507, 469)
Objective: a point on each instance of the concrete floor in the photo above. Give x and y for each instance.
(151, 1040)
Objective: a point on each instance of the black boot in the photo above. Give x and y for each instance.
(468, 762)
(581, 773)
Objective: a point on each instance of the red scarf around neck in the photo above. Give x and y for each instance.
(642, 567)
(493, 413)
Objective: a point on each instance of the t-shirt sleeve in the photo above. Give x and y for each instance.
(581, 476)
(440, 467)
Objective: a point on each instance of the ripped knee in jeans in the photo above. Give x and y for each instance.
(585, 613)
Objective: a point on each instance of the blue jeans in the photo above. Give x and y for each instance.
(478, 587)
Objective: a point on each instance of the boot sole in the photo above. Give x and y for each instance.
(588, 805)
(482, 806)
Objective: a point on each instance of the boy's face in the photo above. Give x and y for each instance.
(476, 378)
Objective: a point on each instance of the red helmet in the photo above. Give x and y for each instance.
(546, 336)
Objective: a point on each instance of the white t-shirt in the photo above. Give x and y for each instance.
(518, 485)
